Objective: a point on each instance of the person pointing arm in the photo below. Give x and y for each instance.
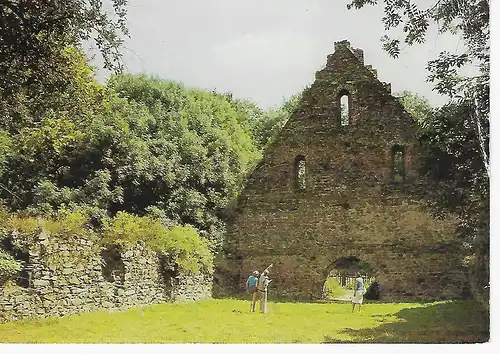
(268, 267)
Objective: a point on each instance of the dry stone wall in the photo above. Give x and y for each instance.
(74, 276)
(352, 204)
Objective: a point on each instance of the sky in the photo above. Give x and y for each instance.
(267, 50)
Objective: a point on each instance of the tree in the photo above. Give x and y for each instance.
(31, 33)
(141, 145)
(34, 37)
(267, 127)
(453, 161)
(418, 106)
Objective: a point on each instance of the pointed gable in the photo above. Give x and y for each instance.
(372, 108)
(326, 190)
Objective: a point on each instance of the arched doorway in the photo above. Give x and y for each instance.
(341, 275)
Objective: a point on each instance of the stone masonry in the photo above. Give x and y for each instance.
(350, 203)
(73, 276)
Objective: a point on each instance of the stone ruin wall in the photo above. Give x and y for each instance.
(67, 277)
(351, 206)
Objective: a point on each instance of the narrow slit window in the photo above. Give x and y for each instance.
(398, 166)
(300, 172)
(344, 110)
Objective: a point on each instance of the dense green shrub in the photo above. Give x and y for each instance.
(181, 244)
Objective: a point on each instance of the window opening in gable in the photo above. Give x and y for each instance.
(398, 164)
(344, 110)
(300, 172)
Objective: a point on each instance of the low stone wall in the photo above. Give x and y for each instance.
(73, 276)
(197, 287)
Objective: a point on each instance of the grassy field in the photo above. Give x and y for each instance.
(333, 289)
(228, 321)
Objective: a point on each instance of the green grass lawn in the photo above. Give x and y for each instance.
(228, 321)
(333, 289)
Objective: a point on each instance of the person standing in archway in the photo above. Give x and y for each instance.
(359, 291)
(262, 288)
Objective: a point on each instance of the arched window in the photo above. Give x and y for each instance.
(398, 163)
(343, 104)
(344, 110)
(300, 172)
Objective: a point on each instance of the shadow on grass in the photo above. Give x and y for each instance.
(448, 322)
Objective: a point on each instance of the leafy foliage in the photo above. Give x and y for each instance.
(8, 266)
(182, 244)
(454, 162)
(418, 106)
(266, 128)
(191, 155)
(32, 34)
(160, 148)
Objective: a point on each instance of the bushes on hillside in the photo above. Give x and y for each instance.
(182, 246)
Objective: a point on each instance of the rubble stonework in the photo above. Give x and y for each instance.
(72, 276)
(352, 204)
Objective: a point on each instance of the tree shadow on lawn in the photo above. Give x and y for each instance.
(447, 322)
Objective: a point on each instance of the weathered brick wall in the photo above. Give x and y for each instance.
(351, 205)
(68, 277)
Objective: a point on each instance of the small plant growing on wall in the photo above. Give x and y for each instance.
(9, 267)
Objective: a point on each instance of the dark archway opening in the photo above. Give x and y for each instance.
(169, 271)
(341, 277)
(113, 268)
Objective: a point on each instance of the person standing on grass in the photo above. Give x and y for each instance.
(251, 288)
(262, 288)
(359, 291)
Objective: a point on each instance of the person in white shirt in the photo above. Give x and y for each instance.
(359, 291)
(262, 285)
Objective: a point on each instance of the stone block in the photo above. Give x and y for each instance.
(41, 283)
(67, 270)
(74, 280)
(78, 290)
(76, 302)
